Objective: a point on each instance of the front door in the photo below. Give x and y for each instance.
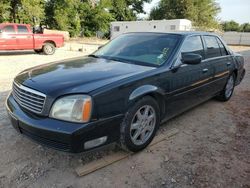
(8, 39)
(24, 38)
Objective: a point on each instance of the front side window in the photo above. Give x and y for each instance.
(8, 29)
(22, 29)
(193, 45)
(141, 48)
(213, 49)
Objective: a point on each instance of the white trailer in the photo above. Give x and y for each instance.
(121, 27)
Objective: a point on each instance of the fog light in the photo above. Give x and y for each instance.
(95, 142)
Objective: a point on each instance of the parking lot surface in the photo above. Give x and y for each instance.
(212, 147)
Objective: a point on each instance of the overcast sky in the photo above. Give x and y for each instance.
(238, 10)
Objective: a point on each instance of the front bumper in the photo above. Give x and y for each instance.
(61, 135)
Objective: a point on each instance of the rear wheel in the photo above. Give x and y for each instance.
(49, 48)
(140, 125)
(227, 92)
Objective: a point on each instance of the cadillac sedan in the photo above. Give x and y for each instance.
(123, 91)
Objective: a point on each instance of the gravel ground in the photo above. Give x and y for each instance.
(212, 148)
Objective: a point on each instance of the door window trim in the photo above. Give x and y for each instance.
(205, 48)
(179, 53)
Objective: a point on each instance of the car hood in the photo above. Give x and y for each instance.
(78, 75)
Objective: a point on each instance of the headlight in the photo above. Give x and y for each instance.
(75, 108)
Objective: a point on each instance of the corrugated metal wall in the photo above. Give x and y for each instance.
(236, 38)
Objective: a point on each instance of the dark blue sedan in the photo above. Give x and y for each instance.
(123, 91)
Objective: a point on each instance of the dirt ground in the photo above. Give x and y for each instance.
(212, 148)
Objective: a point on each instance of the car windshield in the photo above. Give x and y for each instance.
(150, 49)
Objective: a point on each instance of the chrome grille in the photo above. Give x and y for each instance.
(28, 98)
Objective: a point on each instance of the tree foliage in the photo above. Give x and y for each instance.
(4, 10)
(201, 12)
(76, 16)
(63, 15)
(127, 10)
(231, 26)
(234, 26)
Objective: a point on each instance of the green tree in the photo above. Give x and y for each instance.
(95, 18)
(202, 13)
(126, 10)
(245, 27)
(15, 6)
(31, 11)
(230, 26)
(4, 10)
(63, 15)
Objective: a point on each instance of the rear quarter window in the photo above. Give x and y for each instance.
(213, 49)
(22, 29)
(222, 48)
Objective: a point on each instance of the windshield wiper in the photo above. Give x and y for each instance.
(93, 55)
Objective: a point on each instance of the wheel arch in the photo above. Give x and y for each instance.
(50, 41)
(148, 90)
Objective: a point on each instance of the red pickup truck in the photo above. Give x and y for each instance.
(21, 37)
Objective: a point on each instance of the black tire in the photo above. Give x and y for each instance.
(125, 138)
(49, 49)
(223, 96)
(38, 51)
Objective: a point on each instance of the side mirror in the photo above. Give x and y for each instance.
(191, 58)
(1, 31)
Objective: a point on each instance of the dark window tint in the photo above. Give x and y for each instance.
(222, 48)
(116, 28)
(8, 29)
(142, 48)
(213, 49)
(22, 29)
(193, 45)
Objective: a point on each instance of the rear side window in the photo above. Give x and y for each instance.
(193, 45)
(213, 49)
(8, 29)
(22, 29)
(222, 48)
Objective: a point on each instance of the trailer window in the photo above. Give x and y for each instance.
(172, 27)
(22, 29)
(116, 28)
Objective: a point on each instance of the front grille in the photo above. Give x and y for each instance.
(28, 98)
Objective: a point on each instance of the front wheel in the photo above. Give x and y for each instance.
(140, 125)
(227, 92)
(49, 48)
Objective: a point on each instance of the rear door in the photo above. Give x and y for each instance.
(220, 60)
(187, 85)
(8, 38)
(24, 38)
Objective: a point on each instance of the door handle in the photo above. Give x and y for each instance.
(204, 70)
(13, 37)
(28, 37)
(228, 63)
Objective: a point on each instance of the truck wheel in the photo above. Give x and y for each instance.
(38, 51)
(227, 92)
(49, 48)
(140, 125)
